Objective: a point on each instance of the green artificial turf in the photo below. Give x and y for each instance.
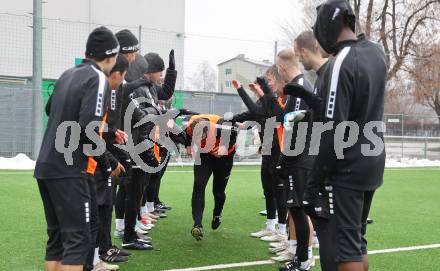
(405, 212)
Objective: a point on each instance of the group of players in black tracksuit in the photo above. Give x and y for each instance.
(109, 139)
(326, 188)
(78, 186)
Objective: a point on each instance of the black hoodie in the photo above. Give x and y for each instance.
(353, 90)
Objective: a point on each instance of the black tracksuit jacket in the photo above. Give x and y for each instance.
(353, 87)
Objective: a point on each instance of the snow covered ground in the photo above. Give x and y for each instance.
(22, 162)
(411, 162)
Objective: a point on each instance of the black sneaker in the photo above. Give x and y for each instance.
(137, 245)
(369, 221)
(216, 221)
(121, 252)
(160, 208)
(144, 238)
(294, 265)
(263, 213)
(197, 232)
(112, 256)
(159, 213)
(163, 206)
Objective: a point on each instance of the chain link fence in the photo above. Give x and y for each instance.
(204, 81)
(412, 136)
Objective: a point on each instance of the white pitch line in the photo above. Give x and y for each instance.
(246, 264)
(17, 173)
(393, 250)
(190, 171)
(224, 266)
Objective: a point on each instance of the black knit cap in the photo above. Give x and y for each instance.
(102, 43)
(155, 63)
(129, 43)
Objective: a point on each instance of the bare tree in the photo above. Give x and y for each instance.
(426, 77)
(205, 78)
(402, 27)
(292, 29)
(398, 98)
(399, 25)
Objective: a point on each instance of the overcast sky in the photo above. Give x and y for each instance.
(237, 20)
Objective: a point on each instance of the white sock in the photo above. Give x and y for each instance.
(270, 224)
(310, 253)
(150, 207)
(292, 246)
(120, 224)
(96, 256)
(305, 264)
(144, 210)
(282, 229)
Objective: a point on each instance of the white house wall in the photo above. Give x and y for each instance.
(243, 71)
(163, 27)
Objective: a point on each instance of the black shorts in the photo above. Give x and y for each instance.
(343, 235)
(67, 209)
(294, 180)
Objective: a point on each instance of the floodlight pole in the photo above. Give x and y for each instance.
(37, 77)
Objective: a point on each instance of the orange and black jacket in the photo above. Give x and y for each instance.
(216, 126)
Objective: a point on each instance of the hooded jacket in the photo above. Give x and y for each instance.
(353, 90)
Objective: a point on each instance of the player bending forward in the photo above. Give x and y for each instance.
(216, 155)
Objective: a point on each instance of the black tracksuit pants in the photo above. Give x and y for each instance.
(151, 193)
(134, 188)
(119, 197)
(295, 180)
(94, 221)
(274, 193)
(221, 169)
(105, 195)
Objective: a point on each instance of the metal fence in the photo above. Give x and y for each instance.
(64, 41)
(407, 136)
(412, 136)
(16, 123)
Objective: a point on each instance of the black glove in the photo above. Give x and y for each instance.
(179, 138)
(263, 84)
(180, 112)
(297, 90)
(172, 65)
(173, 110)
(188, 112)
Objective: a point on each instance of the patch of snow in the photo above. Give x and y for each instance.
(411, 162)
(22, 162)
(19, 162)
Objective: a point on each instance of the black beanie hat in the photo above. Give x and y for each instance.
(155, 63)
(128, 42)
(102, 43)
(137, 68)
